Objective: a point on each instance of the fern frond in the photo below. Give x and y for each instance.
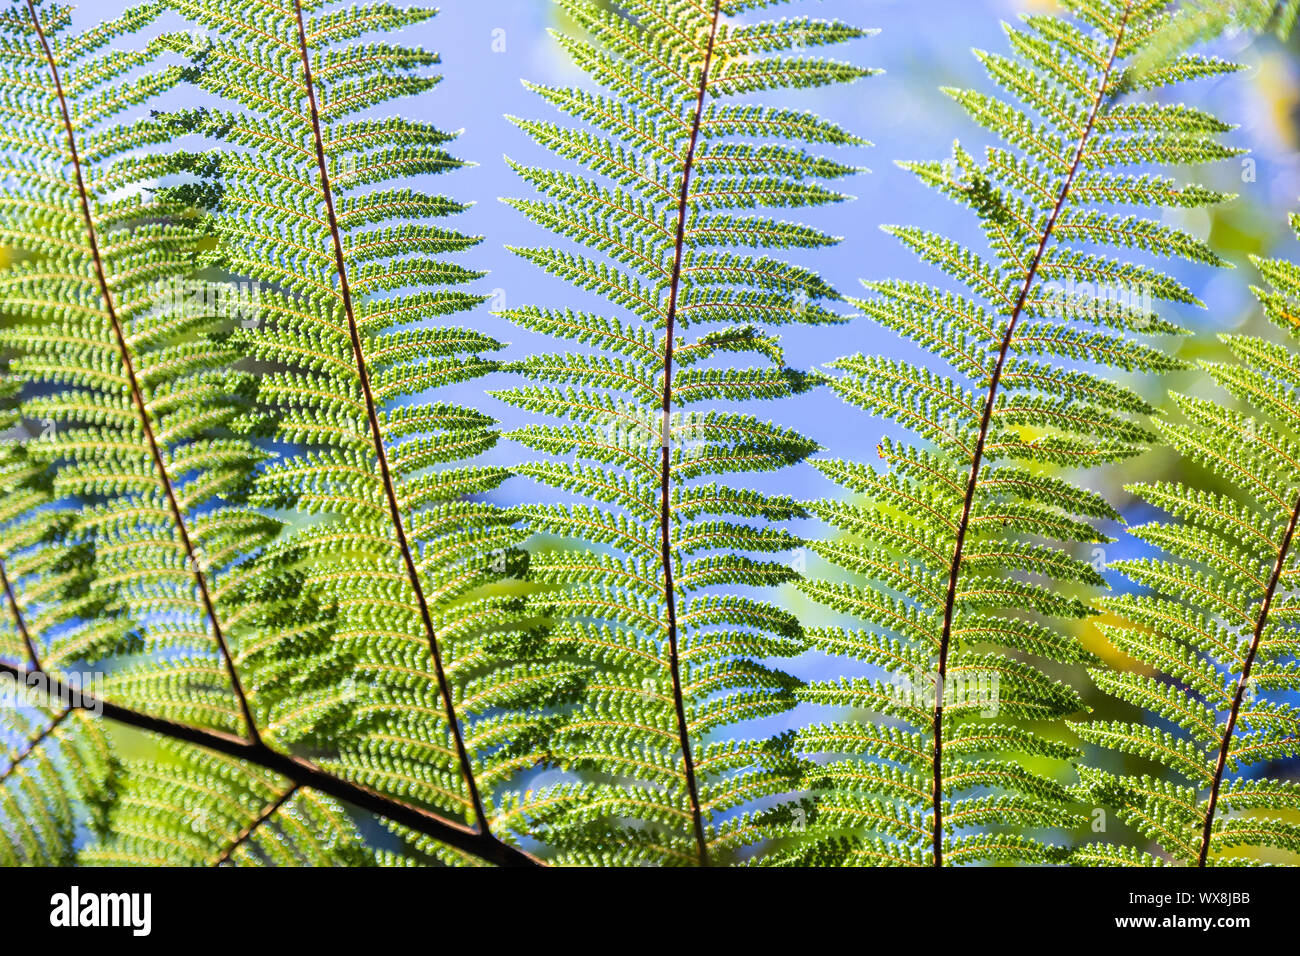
(1214, 628)
(232, 642)
(672, 216)
(357, 285)
(965, 558)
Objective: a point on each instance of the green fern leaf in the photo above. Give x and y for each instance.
(648, 604)
(1198, 20)
(405, 548)
(242, 638)
(969, 564)
(1215, 624)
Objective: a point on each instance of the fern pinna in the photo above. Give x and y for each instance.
(58, 771)
(211, 636)
(131, 472)
(447, 697)
(675, 175)
(949, 551)
(1204, 20)
(1212, 633)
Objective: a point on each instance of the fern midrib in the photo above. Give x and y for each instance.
(377, 436)
(665, 479)
(137, 396)
(34, 744)
(244, 835)
(977, 457)
(1243, 682)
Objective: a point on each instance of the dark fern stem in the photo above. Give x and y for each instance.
(665, 483)
(302, 772)
(977, 459)
(243, 836)
(1243, 683)
(381, 453)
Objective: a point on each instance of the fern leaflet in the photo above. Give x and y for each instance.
(448, 699)
(651, 603)
(953, 536)
(1216, 619)
(215, 635)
